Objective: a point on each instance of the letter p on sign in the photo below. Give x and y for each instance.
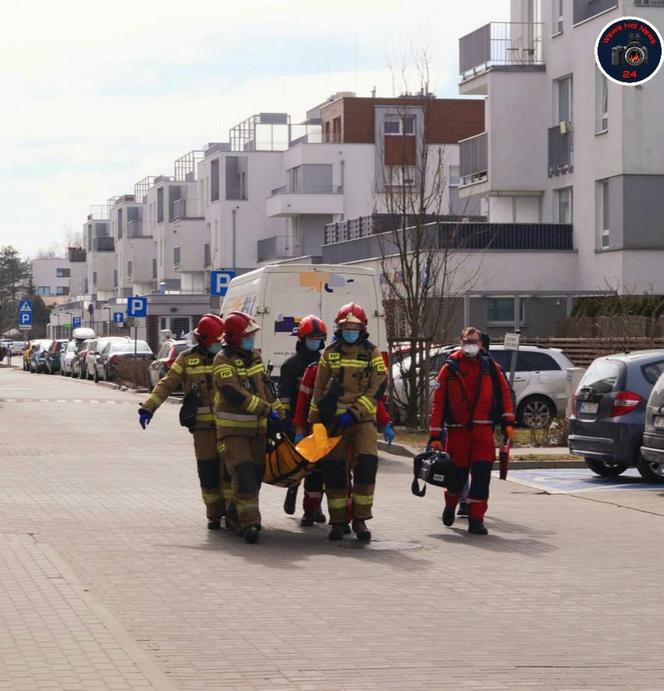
(137, 307)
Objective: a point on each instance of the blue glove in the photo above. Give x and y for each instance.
(388, 433)
(274, 415)
(299, 436)
(345, 419)
(144, 417)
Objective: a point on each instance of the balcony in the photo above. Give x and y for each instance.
(275, 247)
(103, 244)
(474, 159)
(460, 237)
(187, 208)
(305, 199)
(561, 150)
(503, 46)
(135, 229)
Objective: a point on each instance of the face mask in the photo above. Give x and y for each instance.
(214, 348)
(247, 343)
(313, 344)
(350, 336)
(471, 349)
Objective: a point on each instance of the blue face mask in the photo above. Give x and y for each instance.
(350, 336)
(247, 343)
(214, 348)
(313, 344)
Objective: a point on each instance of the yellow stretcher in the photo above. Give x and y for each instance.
(287, 465)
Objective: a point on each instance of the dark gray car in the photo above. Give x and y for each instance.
(609, 412)
(653, 435)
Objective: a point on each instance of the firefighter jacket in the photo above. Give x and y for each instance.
(243, 395)
(291, 375)
(354, 376)
(469, 392)
(192, 368)
(306, 391)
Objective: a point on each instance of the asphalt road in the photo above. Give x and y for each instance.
(110, 580)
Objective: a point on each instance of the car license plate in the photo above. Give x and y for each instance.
(589, 408)
(658, 421)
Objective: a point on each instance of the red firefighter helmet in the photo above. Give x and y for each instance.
(351, 313)
(209, 330)
(239, 324)
(311, 327)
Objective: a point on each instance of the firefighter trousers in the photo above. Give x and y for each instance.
(245, 459)
(473, 452)
(361, 439)
(212, 474)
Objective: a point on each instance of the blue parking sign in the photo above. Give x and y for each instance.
(75, 322)
(220, 280)
(137, 307)
(25, 314)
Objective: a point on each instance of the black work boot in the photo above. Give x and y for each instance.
(319, 517)
(448, 516)
(463, 509)
(360, 529)
(337, 533)
(251, 534)
(307, 520)
(290, 500)
(476, 526)
(214, 524)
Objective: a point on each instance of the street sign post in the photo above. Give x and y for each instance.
(137, 307)
(25, 315)
(76, 322)
(220, 280)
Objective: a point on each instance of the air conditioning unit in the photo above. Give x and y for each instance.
(565, 127)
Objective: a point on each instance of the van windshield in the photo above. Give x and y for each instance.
(603, 376)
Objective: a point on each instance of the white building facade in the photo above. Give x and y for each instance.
(51, 276)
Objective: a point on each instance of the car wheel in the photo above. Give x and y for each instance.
(605, 468)
(535, 412)
(651, 472)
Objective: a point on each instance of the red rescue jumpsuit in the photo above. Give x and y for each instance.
(464, 402)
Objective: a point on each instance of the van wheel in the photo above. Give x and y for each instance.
(651, 472)
(535, 412)
(605, 468)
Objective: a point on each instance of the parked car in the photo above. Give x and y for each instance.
(539, 380)
(18, 347)
(607, 424)
(78, 361)
(165, 358)
(53, 355)
(79, 336)
(37, 362)
(117, 351)
(91, 355)
(652, 450)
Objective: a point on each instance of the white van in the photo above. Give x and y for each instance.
(279, 296)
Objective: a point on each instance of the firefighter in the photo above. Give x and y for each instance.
(192, 369)
(311, 335)
(243, 402)
(470, 395)
(350, 380)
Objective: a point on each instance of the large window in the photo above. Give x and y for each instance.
(119, 224)
(62, 290)
(63, 273)
(603, 215)
(601, 102)
(500, 310)
(176, 256)
(160, 205)
(214, 180)
(130, 268)
(43, 290)
(562, 212)
(557, 17)
(564, 103)
(395, 124)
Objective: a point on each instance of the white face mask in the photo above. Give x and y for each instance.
(471, 349)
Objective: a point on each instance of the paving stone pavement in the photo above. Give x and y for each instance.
(110, 580)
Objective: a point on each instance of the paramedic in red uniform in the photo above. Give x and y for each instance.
(470, 396)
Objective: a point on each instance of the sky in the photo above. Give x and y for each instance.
(97, 96)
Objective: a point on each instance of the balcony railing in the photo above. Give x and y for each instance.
(307, 189)
(275, 247)
(561, 150)
(105, 244)
(473, 158)
(134, 229)
(500, 44)
(187, 208)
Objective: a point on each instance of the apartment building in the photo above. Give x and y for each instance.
(100, 254)
(566, 149)
(78, 273)
(51, 276)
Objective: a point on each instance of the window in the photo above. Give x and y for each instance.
(214, 180)
(564, 100)
(160, 205)
(454, 175)
(584, 9)
(63, 273)
(336, 130)
(43, 290)
(652, 371)
(562, 211)
(129, 268)
(393, 124)
(601, 102)
(408, 124)
(557, 17)
(62, 290)
(603, 213)
(94, 279)
(115, 278)
(154, 268)
(236, 177)
(119, 224)
(176, 256)
(399, 176)
(501, 310)
(536, 362)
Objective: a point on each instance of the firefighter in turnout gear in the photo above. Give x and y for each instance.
(350, 380)
(243, 402)
(193, 371)
(311, 335)
(471, 395)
